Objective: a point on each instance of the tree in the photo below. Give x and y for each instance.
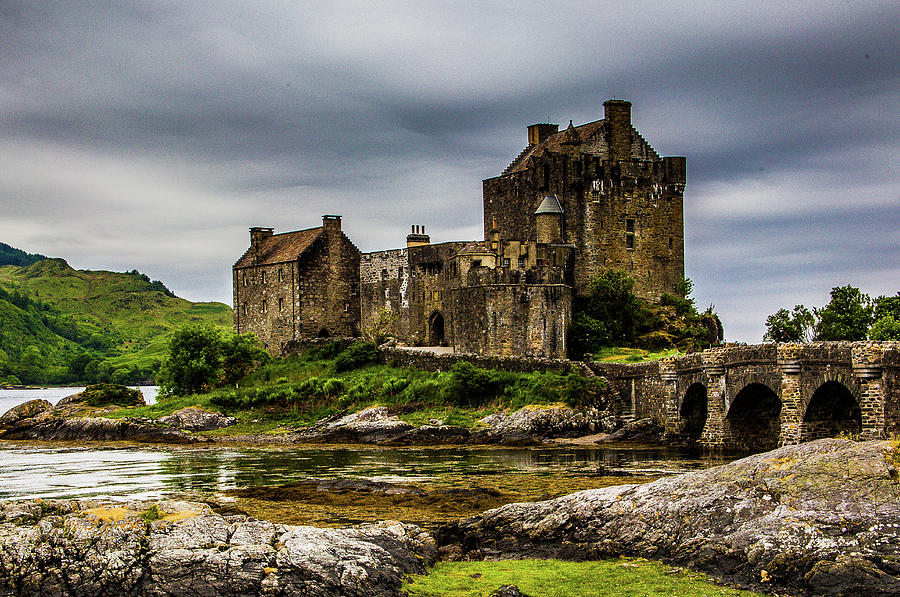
(608, 314)
(241, 354)
(194, 361)
(787, 326)
(200, 358)
(846, 317)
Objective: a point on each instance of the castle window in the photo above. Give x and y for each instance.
(262, 277)
(265, 306)
(354, 289)
(280, 304)
(522, 261)
(670, 242)
(629, 241)
(281, 274)
(476, 263)
(629, 226)
(400, 272)
(384, 274)
(506, 262)
(346, 307)
(245, 279)
(244, 309)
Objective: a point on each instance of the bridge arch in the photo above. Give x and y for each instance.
(753, 418)
(832, 410)
(693, 411)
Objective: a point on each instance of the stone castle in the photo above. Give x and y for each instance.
(571, 205)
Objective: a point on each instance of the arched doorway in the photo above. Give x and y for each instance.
(692, 415)
(753, 420)
(832, 411)
(436, 329)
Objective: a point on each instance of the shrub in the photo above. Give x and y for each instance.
(470, 386)
(358, 354)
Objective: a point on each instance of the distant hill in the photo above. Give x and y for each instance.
(13, 256)
(60, 325)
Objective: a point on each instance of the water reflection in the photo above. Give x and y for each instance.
(54, 472)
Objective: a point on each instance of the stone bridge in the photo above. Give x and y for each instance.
(760, 397)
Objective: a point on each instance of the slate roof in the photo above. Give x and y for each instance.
(556, 143)
(280, 248)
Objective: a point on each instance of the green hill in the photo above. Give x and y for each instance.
(58, 324)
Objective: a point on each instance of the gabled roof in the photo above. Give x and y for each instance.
(280, 248)
(562, 142)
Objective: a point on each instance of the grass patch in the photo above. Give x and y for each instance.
(555, 578)
(623, 354)
(300, 390)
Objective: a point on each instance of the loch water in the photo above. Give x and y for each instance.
(129, 471)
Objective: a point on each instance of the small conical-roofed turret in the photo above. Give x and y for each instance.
(548, 220)
(550, 205)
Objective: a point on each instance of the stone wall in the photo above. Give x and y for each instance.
(511, 319)
(384, 286)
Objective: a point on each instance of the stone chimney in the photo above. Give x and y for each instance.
(257, 236)
(618, 124)
(417, 237)
(539, 132)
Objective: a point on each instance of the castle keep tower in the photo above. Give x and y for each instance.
(621, 203)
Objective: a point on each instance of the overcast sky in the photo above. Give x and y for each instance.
(152, 135)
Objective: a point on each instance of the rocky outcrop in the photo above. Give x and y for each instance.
(194, 418)
(373, 425)
(819, 518)
(533, 424)
(52, 428)
(177, 548)
(26, 410)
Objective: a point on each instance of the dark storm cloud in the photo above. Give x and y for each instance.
(152, 134)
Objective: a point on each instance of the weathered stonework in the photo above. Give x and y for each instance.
(572, 205)
(297, 285)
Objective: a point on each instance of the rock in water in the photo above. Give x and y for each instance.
(818, 518)
(178, 548)
(26, 410)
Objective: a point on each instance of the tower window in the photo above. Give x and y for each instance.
(265, 306)
(629, 241)
(262, 277)
(280, 304)
(671, 244)
(506, 262)
(629, 226)
(281, 274)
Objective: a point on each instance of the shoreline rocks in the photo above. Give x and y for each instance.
(820, 518)
(180, 548)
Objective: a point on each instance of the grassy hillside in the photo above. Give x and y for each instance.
(58, 324)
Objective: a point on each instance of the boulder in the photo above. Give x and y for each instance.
(370, 425)
(646, 431)
(105, 394)
(26, 410)
(820, 518)
(194, 418)
(532, 424)
(180, 548)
